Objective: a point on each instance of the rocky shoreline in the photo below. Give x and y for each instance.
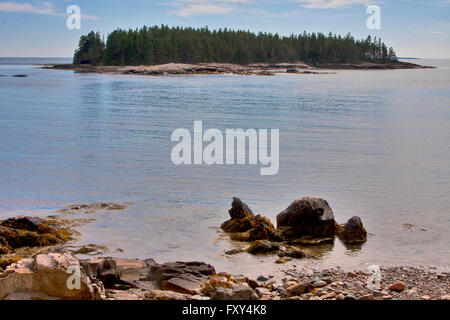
(263, 69)
(37, 264)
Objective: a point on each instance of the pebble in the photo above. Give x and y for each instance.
(329, 296)
(366, 297)
(340, 297)
(399, 286)
(319, 284)
(262, 292)
(350, 297)
(262, 279)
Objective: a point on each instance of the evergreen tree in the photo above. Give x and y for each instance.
(90, 49)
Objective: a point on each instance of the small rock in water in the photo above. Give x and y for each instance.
(283, 260)
(263, 246)
(233, 251)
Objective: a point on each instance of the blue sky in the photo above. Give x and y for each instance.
(38, 28)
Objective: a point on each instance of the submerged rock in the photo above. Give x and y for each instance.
(93, 208)
(263, 246)
(307, 217)
(353, 231)
(292, 252)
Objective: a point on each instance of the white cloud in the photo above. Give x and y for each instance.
(202, 9)
(46, 8)
(331, 4)
(187, 8)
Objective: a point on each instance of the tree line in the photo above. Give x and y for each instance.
(163, 44)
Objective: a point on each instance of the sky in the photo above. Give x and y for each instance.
(38, 28)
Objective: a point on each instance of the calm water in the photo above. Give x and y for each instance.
(373, 143)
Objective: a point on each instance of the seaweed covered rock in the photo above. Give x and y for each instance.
(4, 247)
(307, 218)
(30, 232)
(353, 231)
(242, 217)
(245, 226)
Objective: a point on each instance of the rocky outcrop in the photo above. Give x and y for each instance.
(51, 274)
(353, 231)
(245, 226)
(307, 218)
(227, 68)
(307, 221)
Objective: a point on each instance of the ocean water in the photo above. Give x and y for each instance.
(375, 144)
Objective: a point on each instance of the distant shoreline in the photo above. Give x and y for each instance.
(229, 68)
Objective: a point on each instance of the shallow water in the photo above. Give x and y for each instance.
(373, 143)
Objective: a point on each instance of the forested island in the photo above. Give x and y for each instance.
(160, 50)
(160, 45)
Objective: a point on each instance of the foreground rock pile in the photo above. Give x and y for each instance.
(49, 276)
(306, 221)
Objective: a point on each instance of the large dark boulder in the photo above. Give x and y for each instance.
(307, 218)
(353, 231)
